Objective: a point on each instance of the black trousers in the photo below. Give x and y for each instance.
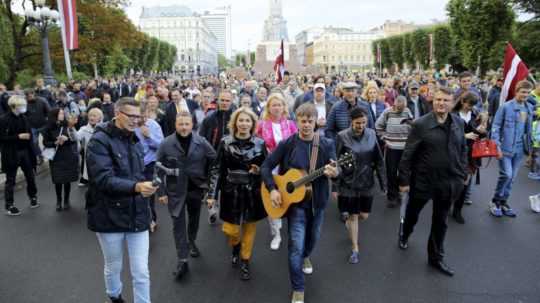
(182, 238)
(393, 156)
(25, 163)
(442, 201)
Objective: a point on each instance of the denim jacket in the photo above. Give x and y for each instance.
(504, 129)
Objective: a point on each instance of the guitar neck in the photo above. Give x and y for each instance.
(309, 178)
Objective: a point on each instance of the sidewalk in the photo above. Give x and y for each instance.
(41, 169)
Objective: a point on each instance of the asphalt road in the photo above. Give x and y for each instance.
(52, 257)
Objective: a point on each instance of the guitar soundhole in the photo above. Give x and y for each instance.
(290, 187)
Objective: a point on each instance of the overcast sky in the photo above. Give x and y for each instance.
(248, 15)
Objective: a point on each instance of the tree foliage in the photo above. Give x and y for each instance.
(396, 50)
(480, 25)
(108, 42)
(420, 43)
(442, 45)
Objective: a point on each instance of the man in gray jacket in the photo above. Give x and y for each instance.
(183, 162)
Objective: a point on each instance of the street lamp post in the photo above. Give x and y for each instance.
(42, 17)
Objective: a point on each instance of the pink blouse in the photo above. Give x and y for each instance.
(265, 131)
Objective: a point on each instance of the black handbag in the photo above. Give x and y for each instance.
(238, 177)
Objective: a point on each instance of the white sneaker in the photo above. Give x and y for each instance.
(535, 203)
(307, 268)
(276, 241)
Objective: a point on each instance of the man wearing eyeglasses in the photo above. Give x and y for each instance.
(117, 199)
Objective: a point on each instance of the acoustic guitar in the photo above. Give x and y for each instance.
(295, 186)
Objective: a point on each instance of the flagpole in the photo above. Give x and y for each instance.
(63, 34)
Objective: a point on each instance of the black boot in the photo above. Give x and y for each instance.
(181, 270)
(244, 270)
(235, 255)
(194, 250)
(456, 214)
(67, 205)
(117, 300)
(58, 204)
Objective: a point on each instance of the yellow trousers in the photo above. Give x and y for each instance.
(241, 234)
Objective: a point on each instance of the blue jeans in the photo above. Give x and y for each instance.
(508, 169)
(112, 247)
(304, 232)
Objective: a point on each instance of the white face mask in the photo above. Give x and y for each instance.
(20, 110)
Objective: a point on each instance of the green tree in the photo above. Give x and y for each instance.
(386, 57)
(420, 47)
(6, 53)
(396, 50)
(479, 26)
(223, 63)
(525, 41)
(117, 62)
(408, 52)
(442, 45)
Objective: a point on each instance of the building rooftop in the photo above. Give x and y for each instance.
(166, 11)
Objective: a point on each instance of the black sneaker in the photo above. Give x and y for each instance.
(117, 300)
(235, 259)
(34, 202)
(13, 211)
(67, 205)
(194, 250)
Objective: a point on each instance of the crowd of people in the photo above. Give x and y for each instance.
(137, 141)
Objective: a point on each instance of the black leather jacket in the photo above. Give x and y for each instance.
(240, 191)
(368, 160)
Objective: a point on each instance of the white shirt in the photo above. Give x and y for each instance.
(278, 136)
(374, 109)
(466, 117)
(321, 109)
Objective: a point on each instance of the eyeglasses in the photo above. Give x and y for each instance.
(132, 117)
(225, 100)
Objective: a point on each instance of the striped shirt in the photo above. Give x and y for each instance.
(392, 129)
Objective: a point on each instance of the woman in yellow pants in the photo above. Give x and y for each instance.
(235, 174)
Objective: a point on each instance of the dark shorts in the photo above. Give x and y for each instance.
(356, 205)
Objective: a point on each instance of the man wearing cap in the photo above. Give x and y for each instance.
(415, 102)
(338, 118)
(322, 105)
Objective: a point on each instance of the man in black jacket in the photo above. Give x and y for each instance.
(37, 113)
(433, 166)
(16, 151)
(117, 199)
(177, 104)
(214, 126)
(416, 104)
(187, 158)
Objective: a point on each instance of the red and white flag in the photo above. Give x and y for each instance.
(70, 26)
(515, 70)
(279, 64)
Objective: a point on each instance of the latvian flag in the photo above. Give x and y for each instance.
(68, 16)
(514, 71)
(279, 64)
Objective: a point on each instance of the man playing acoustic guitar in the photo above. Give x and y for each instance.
(304, 218)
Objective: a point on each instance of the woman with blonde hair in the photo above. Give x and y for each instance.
(236, 175)
(371, 96)
(95, 116)
(273, 128)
